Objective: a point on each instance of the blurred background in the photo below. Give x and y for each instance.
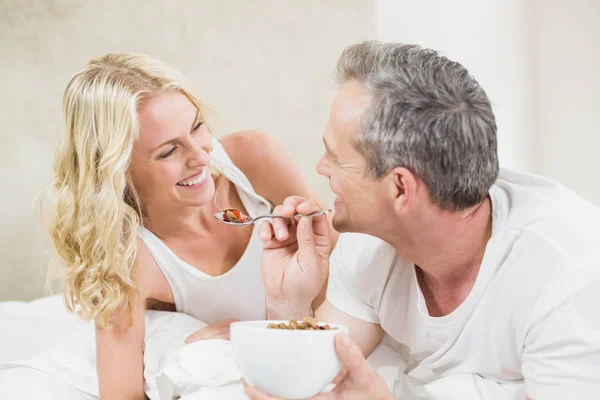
(266, 65)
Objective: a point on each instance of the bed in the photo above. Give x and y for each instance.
(52, 342)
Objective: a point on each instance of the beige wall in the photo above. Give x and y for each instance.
(568, 51)
(262, 64)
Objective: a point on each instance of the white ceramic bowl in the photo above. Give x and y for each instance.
(292, 364)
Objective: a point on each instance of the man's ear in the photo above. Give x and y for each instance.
(404, 188)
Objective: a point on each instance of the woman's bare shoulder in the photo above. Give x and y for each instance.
(149, 278)
(271, 170)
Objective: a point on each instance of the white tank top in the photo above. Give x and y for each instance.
(239, 293)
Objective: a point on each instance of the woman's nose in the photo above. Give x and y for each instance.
(198, 156)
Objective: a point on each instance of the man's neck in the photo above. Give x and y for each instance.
(447, 249)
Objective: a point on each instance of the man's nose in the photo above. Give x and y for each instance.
(322, 167)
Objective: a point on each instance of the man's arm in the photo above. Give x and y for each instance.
(274, 175)
(366, 335)
(561, 351)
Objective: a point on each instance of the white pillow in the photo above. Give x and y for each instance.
(165, 335)
(204, 369)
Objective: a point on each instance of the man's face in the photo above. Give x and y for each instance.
(359, 203)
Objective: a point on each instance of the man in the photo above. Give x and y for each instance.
(480, 272)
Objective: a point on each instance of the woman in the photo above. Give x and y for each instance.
(138, 180)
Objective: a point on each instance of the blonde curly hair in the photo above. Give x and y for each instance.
(95, 209)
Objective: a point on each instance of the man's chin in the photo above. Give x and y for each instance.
(340, 224)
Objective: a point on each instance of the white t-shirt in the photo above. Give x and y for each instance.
(533, 313)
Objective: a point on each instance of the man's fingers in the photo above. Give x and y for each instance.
(311, 249)
(280, 225)
(306, 242)
(286, 210)
(308, 207)
(265, 231)
(274, 243)
(290, 204)
(350, 355)
(320, 224)
(341, 375)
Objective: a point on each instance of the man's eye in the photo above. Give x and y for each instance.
(332, 158)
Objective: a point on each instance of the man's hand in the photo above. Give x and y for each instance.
(358, 381)
(219, 330)
(295, 259)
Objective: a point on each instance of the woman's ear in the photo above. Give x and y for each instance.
(405, 189)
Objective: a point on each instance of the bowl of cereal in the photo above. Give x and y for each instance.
(287, 359)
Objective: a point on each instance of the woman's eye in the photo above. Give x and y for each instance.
(197, 126)
(168, 153)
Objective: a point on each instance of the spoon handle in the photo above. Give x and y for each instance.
(315, 214)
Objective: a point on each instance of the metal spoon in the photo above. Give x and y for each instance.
(250, 220)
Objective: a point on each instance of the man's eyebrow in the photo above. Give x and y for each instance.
(331, 153)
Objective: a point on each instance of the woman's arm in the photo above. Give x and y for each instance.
(273, 173)
(119, 354)
(120, 350)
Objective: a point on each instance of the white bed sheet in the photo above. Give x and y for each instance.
(27, 328)
(29, 384)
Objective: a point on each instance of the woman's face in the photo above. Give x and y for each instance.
(169, 164)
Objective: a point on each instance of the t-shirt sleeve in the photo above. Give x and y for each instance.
(343, 289)
(561, 354)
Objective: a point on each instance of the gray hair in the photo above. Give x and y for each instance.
(427, 114)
